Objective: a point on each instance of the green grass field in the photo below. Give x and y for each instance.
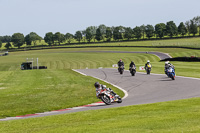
(165, 117)
(25, 92)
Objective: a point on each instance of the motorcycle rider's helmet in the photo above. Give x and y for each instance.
(132, 62)
(120, 60)
(148, 61)
(97, 85)
(167, 62)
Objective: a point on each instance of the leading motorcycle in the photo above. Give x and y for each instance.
(171, 73)
(109, 97)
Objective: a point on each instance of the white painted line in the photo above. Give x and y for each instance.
(125, 92)
(10, 118)
(79, 72)
(96, 104)
(74, 108)
(167, 55)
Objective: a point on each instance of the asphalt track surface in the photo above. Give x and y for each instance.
(158, 54)
(141, 89)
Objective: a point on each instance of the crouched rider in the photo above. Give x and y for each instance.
(100, 87)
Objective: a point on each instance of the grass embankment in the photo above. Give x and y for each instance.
(27, 92)
(174, 116)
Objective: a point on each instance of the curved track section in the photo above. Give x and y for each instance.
(158, 54)
(142, 89)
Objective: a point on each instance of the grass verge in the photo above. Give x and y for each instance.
(174, 116)
(28, 92)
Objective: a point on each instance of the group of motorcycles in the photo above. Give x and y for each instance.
(133, 69)
(109, 97)
(170, 72)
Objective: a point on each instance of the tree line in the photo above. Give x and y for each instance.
(107, 34)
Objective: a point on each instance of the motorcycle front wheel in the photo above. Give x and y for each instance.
(106, 99)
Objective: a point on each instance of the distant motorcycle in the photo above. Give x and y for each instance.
(132, 70)
(171, 73)
(148, 68)
(121, 69)
(109, 97)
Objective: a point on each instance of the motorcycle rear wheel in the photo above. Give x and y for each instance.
(119, 100)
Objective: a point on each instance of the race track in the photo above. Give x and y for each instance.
(141, 89)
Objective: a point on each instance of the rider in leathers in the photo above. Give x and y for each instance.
(167, 65)
(120, 63)
(99, 87)
(148, 63)
(132, 64)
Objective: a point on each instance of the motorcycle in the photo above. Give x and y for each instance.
(132, 70)
(121, 69)
(109, 97)
(171, 73)
(148, 68)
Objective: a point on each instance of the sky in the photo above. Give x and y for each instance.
(69, 16)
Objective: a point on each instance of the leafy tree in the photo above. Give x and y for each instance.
(160, 30)
(171, 29)
(69, 37)
(128, 33)
(109, 34)
(193, 27)
(84, 34)
(34, 37)
(93, 30)
(28, 40)
(78, 36)
(149, 30)
(59, 37)
(18, 39)
(89, 34)
(182, 29)
(0, 43)
(117, 34)
(8, 45)
(5, 39)
(98, 36)
(102, 28)
(143, 27)
(137, 32)
(187, 25)
(122, 30)
(49, 38)
(197, 22)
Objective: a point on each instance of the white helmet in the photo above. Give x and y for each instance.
(148, 61)
(166, 62)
